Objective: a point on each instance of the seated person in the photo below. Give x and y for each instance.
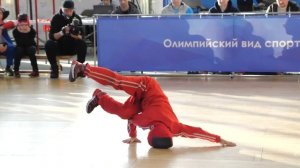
(247, 5)
(126, 7)
(223, 6)
(269, 2)
(24, 35)
(283, 6)
(105, 2)
(6, 45)
(65, 39)
(176, 7)
(196, 5)
(202, 7)
(114, 3)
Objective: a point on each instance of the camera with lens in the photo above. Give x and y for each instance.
(75, 27)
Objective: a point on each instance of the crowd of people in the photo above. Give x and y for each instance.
(65, 38)
(226, 6)
(220, 6)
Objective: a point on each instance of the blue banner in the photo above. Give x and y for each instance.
(191, 43)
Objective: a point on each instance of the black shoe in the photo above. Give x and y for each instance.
(17, 74)
(91, 104)
(54, 72)
(54, 75)
(76, 70)
(34, 74)
(9, 72)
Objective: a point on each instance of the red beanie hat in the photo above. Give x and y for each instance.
(160, 136)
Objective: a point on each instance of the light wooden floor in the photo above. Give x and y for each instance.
(43, 124)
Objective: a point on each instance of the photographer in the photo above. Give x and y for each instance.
(65, 37)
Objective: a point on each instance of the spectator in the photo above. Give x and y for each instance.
(6, 45)
(24, 36)
(176, 7)
(105, 2)
(247, 5)
(114, 3)
(223, 6)
(126, 7)
(196, 5)
(65, 39)
(269, 2)
(104, 7)
(282, 6)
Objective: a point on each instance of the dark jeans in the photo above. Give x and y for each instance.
(21, 52)
(66, 46)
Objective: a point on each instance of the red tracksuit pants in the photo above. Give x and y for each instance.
(147, 105)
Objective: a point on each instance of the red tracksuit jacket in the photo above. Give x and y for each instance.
(146, 105)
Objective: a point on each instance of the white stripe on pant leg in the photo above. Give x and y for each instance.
(198, 134)
(143, 87)
(195, 136)
(118, 81)
(113, 83)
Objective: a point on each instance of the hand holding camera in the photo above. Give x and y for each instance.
(65, 30)
(73, 29)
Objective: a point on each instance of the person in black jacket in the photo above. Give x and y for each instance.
(223, 6)
(65, 37)
(126, 7)
(283, 6)
(247, 5)
(24, 36)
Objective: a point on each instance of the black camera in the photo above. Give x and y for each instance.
(75, 27)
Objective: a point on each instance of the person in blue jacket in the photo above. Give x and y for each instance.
(176, 7)
(6, 45)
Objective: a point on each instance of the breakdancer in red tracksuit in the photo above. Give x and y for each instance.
(147, 107)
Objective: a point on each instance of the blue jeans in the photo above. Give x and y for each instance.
(9, 53)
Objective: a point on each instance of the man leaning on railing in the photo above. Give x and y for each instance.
(126, 7)
(283, 6)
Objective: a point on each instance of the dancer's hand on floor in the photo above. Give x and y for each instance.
(131, 140)
(225, 143)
